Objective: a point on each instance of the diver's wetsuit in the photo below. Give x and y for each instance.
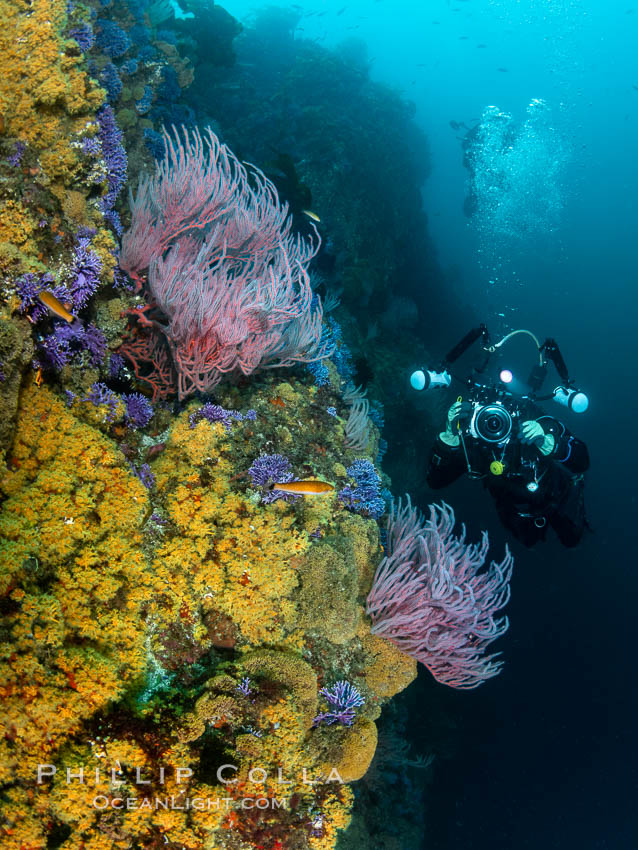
(559, 499)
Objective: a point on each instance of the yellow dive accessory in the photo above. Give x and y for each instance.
(497, 467)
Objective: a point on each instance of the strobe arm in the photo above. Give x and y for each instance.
(552, 352)
(567, 395)
(424, 379)
(468, 340)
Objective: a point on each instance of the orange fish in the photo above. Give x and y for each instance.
(55, 306)
(304, 488)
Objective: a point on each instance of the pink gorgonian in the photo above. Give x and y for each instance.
(225, 281)
(430, 600)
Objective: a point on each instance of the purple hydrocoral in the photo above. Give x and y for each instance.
(244, 687)
(429, 599)
(83, 34)
(116, 364)
(366, 497)
(67, 341)
(216, 413)
(129, 67)
(84, 232)
(84, 279)
(144, 474)
(116, 163)
(143, 105)
(110, 82)
(54, 352)
(139, 410)
(94, 341)
(91, 146)
(85, 273)
(271, 469)
(100, 394)
(121, 280)
(16, 158)
(30, 285)
(112, 39)
(344, 698)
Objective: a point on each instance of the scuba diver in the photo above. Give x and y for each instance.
(531, 464)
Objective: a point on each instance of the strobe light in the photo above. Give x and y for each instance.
(571, 398)
(426, 379)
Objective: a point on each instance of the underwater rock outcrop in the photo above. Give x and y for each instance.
(61, 169)
(172, 627)
(163, 612)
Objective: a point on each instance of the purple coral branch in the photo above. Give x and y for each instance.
(267, 470)
(116, 163)
(344, 699)
(244, 687)
(216, 413)
(16, 157)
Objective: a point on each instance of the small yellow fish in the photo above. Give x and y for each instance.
(311, 215)
(55, 306)
(304, 488)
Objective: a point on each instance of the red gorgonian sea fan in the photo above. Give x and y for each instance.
(226, 283)
(429, 599)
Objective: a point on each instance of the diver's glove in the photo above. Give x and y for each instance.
(531, 434)
(459, 410)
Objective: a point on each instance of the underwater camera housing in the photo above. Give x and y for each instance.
(491, 423)
(491, 411)
(493, 414)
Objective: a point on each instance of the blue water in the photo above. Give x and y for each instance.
(545, 754)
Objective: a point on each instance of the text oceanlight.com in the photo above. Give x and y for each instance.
(198, 804)
(116, 779)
